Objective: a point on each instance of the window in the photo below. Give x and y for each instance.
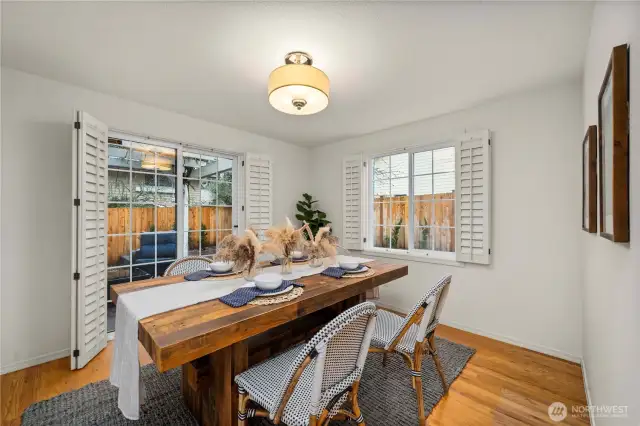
(165, 201)
(430, 202)
(207, 188)
(414, 201)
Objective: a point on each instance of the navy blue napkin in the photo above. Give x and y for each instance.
(244, 295)
(301, 259)
(336, 272)
(201, 275)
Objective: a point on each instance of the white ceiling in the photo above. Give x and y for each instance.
(389, 63)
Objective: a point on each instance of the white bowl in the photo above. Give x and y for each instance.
(268, 281)
(297, 254)
(348, 265)
(221, 267)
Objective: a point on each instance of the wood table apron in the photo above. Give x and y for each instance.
(213, 342)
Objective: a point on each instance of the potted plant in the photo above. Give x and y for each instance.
(307, 213)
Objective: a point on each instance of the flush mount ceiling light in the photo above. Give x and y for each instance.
(297, 87)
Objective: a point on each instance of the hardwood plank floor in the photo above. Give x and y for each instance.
(502, 385)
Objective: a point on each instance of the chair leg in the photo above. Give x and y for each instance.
(384, 359)
(416, 374)
(242, 407)
(436, 361)
(356, 408)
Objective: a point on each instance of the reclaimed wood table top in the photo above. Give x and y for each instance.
(176, 337)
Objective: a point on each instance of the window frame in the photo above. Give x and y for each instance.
(411, 252)
(237, 202)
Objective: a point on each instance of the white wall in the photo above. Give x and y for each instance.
(36, 198)
(530, 293)
(611, 292)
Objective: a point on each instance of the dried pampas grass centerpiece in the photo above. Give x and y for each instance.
(283, 241)
(243, 251)
(323, 244)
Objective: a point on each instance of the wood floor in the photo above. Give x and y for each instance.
(501, 385)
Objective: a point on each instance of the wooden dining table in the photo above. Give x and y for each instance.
(213, 342)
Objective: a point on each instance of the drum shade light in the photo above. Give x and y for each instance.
(297, 87)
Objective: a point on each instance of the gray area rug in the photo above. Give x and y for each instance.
(386, 395)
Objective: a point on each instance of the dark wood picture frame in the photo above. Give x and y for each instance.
(590, 180)
(616, 215)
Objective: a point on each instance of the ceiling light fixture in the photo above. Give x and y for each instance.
(297, 87)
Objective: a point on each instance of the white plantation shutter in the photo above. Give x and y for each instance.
(353, 191)
(473, 200)
(89, 242)
(258, 188)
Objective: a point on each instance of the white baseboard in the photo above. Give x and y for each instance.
(19, 365)
(538, 348)
(586, 389)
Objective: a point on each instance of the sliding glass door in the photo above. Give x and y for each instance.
(165, 202)
(142, 213)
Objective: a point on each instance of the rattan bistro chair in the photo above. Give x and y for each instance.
(187, 265)
(308, 384)
(412, 335)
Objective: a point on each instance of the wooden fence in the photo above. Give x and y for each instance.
(393, 213)
(141, 220)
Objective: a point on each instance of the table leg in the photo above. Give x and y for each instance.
(208, 388)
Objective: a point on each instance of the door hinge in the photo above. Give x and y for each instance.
(364, 164)
(489, 141)
(364, 240)
(489, 251)
(76, 276)
(242, 163)
(76, 353)
(76, 202)
(242, 208)
(77, 125)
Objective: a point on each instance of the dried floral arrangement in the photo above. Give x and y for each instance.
(323, 244)
(283, 240)
(243, 251)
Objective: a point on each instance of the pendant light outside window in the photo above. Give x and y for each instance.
(297, 87)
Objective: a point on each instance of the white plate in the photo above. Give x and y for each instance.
(357, 271)
(286, 290)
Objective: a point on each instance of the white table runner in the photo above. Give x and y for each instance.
(137, 305)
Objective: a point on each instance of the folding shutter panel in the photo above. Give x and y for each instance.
(259, 207)
(89, 303)
(473, 185)
(352, 202)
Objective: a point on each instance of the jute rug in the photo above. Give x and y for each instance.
(386, 395)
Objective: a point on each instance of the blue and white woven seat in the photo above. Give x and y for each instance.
(412, 335)
(187, 265)
(388, 324)
(309, 383)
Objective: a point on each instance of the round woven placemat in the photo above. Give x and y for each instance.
(364, 274)
(293, 294)
(225, 277)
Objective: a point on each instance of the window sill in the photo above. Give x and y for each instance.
(414, 257)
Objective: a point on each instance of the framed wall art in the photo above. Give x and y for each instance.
(590, 180)
(613, 126)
